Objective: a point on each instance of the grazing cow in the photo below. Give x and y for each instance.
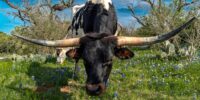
(99, 44)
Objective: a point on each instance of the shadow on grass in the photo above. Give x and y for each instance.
(48, 82)
(44, 74)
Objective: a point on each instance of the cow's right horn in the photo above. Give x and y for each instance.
(71, 42)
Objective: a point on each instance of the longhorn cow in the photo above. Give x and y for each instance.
(99, 45)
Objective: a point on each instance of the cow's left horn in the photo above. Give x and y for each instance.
(71, 42)
(139, 41)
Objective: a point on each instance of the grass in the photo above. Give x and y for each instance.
(143, 77)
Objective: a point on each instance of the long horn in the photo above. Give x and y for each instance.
(139, 41)
(58, 43)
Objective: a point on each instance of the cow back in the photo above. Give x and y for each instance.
(96, 19)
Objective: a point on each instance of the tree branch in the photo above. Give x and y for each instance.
(21, 14)
(133, 14)
(150, 3)
(62, 5)
(184, 5)
(14, 7)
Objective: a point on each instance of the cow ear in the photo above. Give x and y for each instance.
(123, 53)
(73, 53)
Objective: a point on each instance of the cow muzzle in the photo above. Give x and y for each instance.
(95, 89)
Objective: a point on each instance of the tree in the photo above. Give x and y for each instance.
(165, 17)
(42, 20)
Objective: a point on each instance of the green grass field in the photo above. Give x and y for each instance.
(143, 77)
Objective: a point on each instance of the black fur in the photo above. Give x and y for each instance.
(96, 53)
(93, 18)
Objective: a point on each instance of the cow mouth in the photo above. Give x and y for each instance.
(95, 89)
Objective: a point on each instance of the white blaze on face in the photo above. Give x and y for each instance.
(104, 2)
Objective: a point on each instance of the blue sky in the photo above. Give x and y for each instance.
(8, 22)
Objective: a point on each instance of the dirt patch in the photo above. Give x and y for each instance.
(44, 88)
(65, 89)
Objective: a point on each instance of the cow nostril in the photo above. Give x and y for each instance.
(95, 89)
(92, 88)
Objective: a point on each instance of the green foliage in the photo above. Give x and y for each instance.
(9, 44)
(166, 17)
(4, 42)
(46, 30)
(143, 77)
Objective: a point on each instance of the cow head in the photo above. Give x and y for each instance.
(97, 54)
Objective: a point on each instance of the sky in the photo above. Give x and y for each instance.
(8, 22)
